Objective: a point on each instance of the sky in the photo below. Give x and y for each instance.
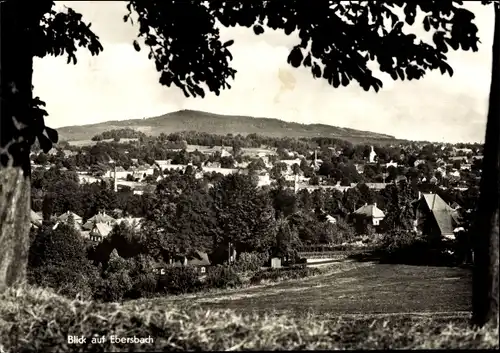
(122, 83)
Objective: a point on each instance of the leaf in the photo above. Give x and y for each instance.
(258, 29)
(228, 43)
(45, 143)
(335, 79)
(427, 25)
(316, 71)
(444, 67)
(307, 61)
(136, 46)
(295, 58)
(345, 80)
(52, 134)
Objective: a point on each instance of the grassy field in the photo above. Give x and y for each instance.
(355, 288)
(33, 319)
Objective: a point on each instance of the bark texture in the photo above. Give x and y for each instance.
(485, 237)
(16, 67)
(14, 226)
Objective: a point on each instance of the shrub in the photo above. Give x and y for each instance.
(222, 277)
(249, 262)
(144, 285)
(57, 259)
(179, 280)
(116, 280)
(296, 272)
(406, 247)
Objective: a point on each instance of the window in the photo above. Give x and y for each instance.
(202, 269)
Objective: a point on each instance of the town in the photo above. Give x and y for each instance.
(196, 200)
(244, 175)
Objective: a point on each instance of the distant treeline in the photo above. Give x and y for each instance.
(118, 134)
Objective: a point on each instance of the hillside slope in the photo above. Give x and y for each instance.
(190, 120)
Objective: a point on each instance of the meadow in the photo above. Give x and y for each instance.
(350, 306)
(349, 288)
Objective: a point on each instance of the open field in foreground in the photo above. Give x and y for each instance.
(350, 288)
(32, 319)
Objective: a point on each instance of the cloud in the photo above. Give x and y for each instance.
(122, 84)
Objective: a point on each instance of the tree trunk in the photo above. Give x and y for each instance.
(16, 66)
(485, 236)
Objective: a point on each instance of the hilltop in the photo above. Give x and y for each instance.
(192, 120)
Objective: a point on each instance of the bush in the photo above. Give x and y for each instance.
(144, 285)
(249, 262)
(296, 272)
(222, 277)
(179, 280)
(409, 248)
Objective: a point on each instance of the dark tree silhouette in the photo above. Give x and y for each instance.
(189, 56)
(485, 279)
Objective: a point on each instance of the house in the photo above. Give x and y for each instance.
(225, 153)
(376, 186)
(370, 213)
(198, 260)
(100, 231)
(392, 164)
(100, 217)
(434, 217)
(65, 217)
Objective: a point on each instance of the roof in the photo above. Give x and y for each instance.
(199, 258)
(64, 217)
(36, 218)
(446, 217)
(370, 211)
(98, 218)
(101, 229)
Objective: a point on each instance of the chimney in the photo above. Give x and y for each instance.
(419, 195)
(375, 204)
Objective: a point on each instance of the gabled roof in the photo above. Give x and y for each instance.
(64, 217)
(198, 258)
(370, 211)
(101, 229)
(446, 217)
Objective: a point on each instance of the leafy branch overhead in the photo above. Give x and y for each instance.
(55, 33)
(184, 39)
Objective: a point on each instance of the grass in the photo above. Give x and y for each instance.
(349, 288)
(34, 319)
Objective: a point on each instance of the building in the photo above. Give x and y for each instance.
(369, 214)
(100, 231)
(434, 217)
(372, 157)
(65, 217)
(198, 260)
(100, 217)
